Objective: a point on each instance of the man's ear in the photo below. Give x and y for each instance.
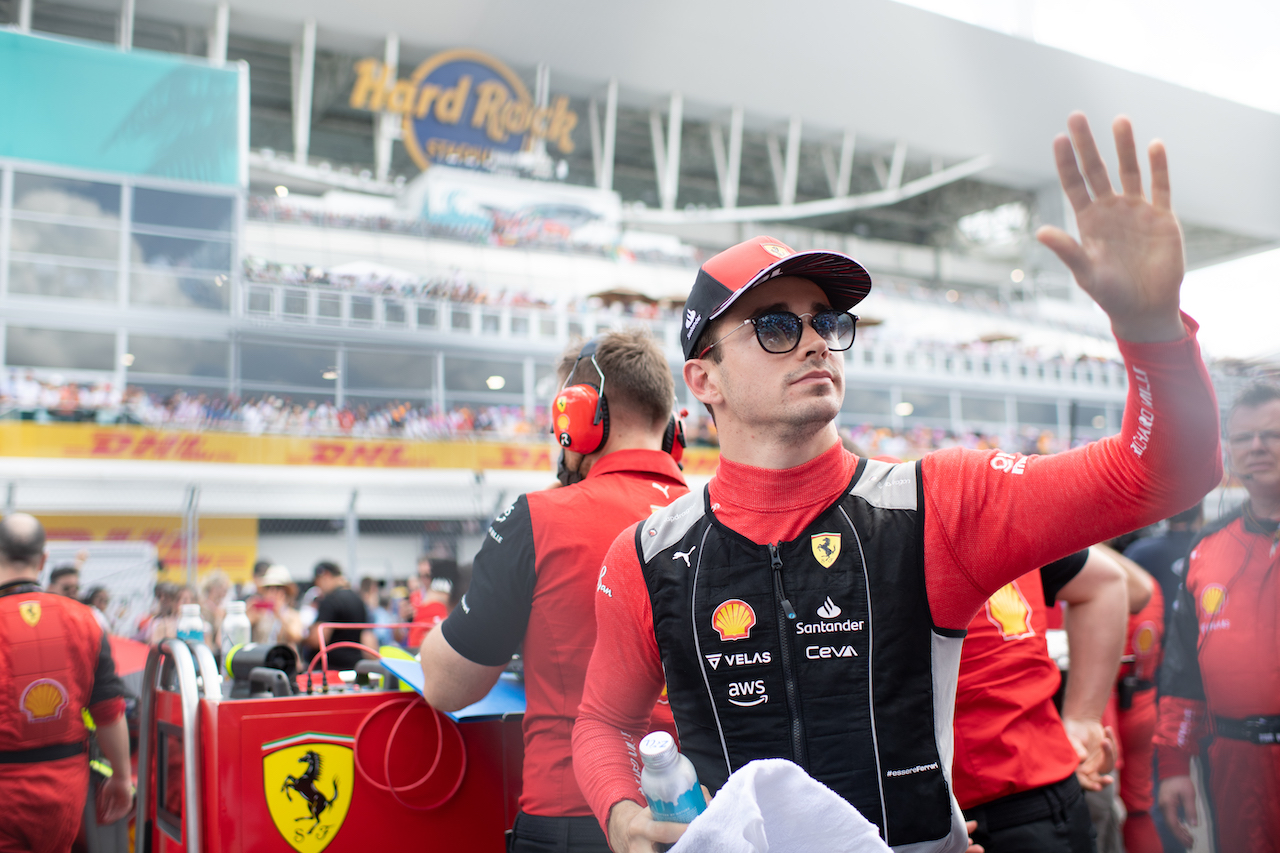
(702, 377)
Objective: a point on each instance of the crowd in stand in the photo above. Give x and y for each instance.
(25, 397)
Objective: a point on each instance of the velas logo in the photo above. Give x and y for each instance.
(826, 547)
(1212, 599)
(43, 700)
(307, 780)
(460, 106)
(733, 620)
(1008, 610)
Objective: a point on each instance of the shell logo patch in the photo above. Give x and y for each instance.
(562, 422)
(30, 612)
(43, 700)
(777, 251)
(733, 620)
(307, 782)
(1008, 610)
(1144, 639)
(1212, 599)
(826, 547)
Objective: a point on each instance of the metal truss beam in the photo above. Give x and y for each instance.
(822, 207)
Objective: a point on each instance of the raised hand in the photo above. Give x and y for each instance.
(1129, 258)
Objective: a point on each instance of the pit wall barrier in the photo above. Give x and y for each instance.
(26, 439)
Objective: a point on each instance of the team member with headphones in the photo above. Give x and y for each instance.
(535, 578)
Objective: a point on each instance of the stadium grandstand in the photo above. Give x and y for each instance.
(377, 232)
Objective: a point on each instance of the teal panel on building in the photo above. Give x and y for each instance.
(99, 108)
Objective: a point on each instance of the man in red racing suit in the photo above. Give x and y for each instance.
(763, 332)
(1220, 682)
(55, 661)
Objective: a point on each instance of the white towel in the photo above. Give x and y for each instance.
(773, 806)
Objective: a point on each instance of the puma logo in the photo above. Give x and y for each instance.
(666, 490)
(684, 555)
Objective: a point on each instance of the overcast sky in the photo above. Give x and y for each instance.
(1226, 48)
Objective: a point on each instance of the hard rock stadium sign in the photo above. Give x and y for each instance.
(462, 106)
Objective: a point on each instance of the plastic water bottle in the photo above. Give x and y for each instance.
(191, 626)
(236, 629)
(668, 780)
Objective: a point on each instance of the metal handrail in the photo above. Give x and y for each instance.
(210, 678)
(184, 665)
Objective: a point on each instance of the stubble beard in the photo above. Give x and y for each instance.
(803, 419)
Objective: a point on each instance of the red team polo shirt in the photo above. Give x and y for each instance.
(1009, 736)
(535, 581)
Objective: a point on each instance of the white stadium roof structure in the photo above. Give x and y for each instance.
(915, 142)
(942, 118)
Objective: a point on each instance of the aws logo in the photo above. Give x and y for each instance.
(746, 694)
(460, 106)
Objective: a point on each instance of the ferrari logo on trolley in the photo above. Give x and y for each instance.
(307, 780)
(826, 548)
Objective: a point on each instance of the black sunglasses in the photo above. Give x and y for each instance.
(780, 331)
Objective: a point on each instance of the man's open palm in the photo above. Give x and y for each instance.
(1129, 258)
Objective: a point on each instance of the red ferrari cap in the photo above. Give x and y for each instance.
(733, 272)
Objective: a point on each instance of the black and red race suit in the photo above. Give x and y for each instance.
(55, 662)
(1220, 683)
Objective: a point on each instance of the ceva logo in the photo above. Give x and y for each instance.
(462, 105)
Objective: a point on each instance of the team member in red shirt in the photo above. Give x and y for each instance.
(820, 613)
(1136, 704)
(54, 661)
(1016, 759)
(1221, 672)
(535, 579)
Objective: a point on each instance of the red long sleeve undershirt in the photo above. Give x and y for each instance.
(987, 522)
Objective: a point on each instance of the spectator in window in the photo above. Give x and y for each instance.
(338, 603)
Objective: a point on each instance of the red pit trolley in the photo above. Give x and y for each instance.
(347, 768)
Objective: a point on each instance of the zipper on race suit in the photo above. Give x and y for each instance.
(786, 614)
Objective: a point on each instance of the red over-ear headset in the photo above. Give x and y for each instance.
(673, 439)
(580, 414)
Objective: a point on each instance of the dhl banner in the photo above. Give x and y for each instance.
(91, 441)
(226, 544)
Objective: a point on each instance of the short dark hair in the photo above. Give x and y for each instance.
(21, 539)
(327, 567)
(1255, 394)
(62, 571)
(636, 372)
(260, 568)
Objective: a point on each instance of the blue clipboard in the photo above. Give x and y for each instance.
(506, 697)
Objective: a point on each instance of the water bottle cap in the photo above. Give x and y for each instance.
(191, 610)
(235, 608)
(656, 746)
